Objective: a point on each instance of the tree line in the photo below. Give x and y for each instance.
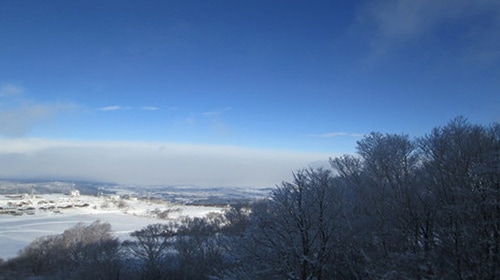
(400, 208)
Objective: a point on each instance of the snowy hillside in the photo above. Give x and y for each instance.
(24, 217)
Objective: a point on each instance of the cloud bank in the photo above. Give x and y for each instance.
(150, 163)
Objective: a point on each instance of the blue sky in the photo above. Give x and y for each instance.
(307, 77)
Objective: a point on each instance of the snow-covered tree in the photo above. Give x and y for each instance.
(198, 254)
(152, 246)
(81, 252)
(294, 235)
(462, 167)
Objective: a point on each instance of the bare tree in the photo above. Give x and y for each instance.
(390, 214)
(93, 250)
(81, 252)
(43, 255)
(461, 164)
(295, 233)
(151, 246)
(198, 253)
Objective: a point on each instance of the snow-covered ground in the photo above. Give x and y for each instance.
(23, 218)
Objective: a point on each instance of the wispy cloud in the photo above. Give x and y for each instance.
(217, 125)
(111, 108)
(216, 112)
(336, 134)
(190, 121)
(20, 120)
(19, 114)
(398, 22)
(211, 114)
(119, 107)
(10, 90)
(149, 108)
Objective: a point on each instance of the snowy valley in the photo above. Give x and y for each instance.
(32, 209)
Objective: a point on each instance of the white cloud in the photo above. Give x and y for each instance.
(111, 108)
(150, 163)
(336, 134)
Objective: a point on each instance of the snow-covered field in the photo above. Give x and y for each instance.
(26, 217)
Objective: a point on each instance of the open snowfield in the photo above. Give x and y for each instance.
(52, 214)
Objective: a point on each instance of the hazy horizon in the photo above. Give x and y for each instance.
(150, 163)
